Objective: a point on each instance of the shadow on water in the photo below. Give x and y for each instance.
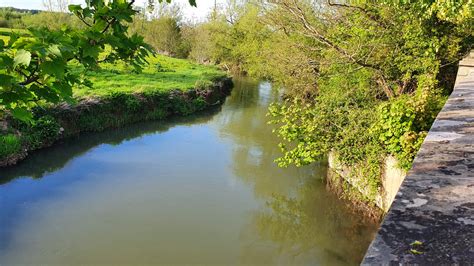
(48, 160)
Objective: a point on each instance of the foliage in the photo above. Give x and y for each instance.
(162, 33)
(362, 79)
(51, 20)
(203, 84)
(404, 122)
(43, 131)
(119, 97)
(9, 144)
(12, 18)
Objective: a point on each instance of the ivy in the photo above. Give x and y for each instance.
(404, 122)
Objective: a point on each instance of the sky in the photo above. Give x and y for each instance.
(193, 13)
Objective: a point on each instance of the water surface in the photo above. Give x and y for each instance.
(202, 189)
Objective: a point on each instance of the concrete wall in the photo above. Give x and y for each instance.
(431, 221)
(392, 177)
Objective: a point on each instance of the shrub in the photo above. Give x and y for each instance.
(404, 122)
(129, 101)
(42, 132)
(203, 84)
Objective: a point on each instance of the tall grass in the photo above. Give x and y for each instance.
(9, 144)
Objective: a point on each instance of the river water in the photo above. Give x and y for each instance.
(202, 189)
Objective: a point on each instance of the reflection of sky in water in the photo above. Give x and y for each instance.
(203, 189)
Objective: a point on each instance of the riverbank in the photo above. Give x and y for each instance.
(96, 113)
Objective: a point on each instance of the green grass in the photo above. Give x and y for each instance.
(161, 74)
(8, 32)
(9, 144)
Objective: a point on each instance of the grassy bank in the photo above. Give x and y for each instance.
(161, 74)
(118, 97)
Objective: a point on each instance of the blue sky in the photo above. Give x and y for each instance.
(190, 12)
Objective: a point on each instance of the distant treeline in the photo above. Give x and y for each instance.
(24, 18)
(11, 17)
(162, 26)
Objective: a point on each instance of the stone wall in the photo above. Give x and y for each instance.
(392, 177)
(431, 221)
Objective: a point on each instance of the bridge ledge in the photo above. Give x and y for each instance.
(431, 220)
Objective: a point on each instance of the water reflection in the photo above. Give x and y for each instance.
(45, 161)
(302, 223)
(255, 149)
(202, 189)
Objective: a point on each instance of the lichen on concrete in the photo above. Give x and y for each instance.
(431, 221)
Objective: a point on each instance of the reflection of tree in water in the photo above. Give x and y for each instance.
(255, 146)
(314, 224)
(302, 223)
(49, 160)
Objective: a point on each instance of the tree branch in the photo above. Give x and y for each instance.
(109, 23)
(84, 21)
(299, 14)
(363, 10)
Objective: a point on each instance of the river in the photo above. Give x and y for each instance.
(200, 189)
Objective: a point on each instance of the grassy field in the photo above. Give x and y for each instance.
(162, 73)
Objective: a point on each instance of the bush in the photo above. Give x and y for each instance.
(3, 23)
(127, 100)
(404, 122)
(42, 132)
(203, 84)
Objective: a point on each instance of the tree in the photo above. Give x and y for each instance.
(52, 20)
(364, 56)
(162, 30)
(37, 69)
(56, 5)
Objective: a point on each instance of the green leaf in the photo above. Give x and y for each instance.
(13, 38)
(54, 50)
(416, 252)
(54, 68)
(5, 80)
(63, 89)
(74, 8)
(5, 61)
(22, 113)
(45, 93)
(416, 243)
(91, 51)
(22, 57)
